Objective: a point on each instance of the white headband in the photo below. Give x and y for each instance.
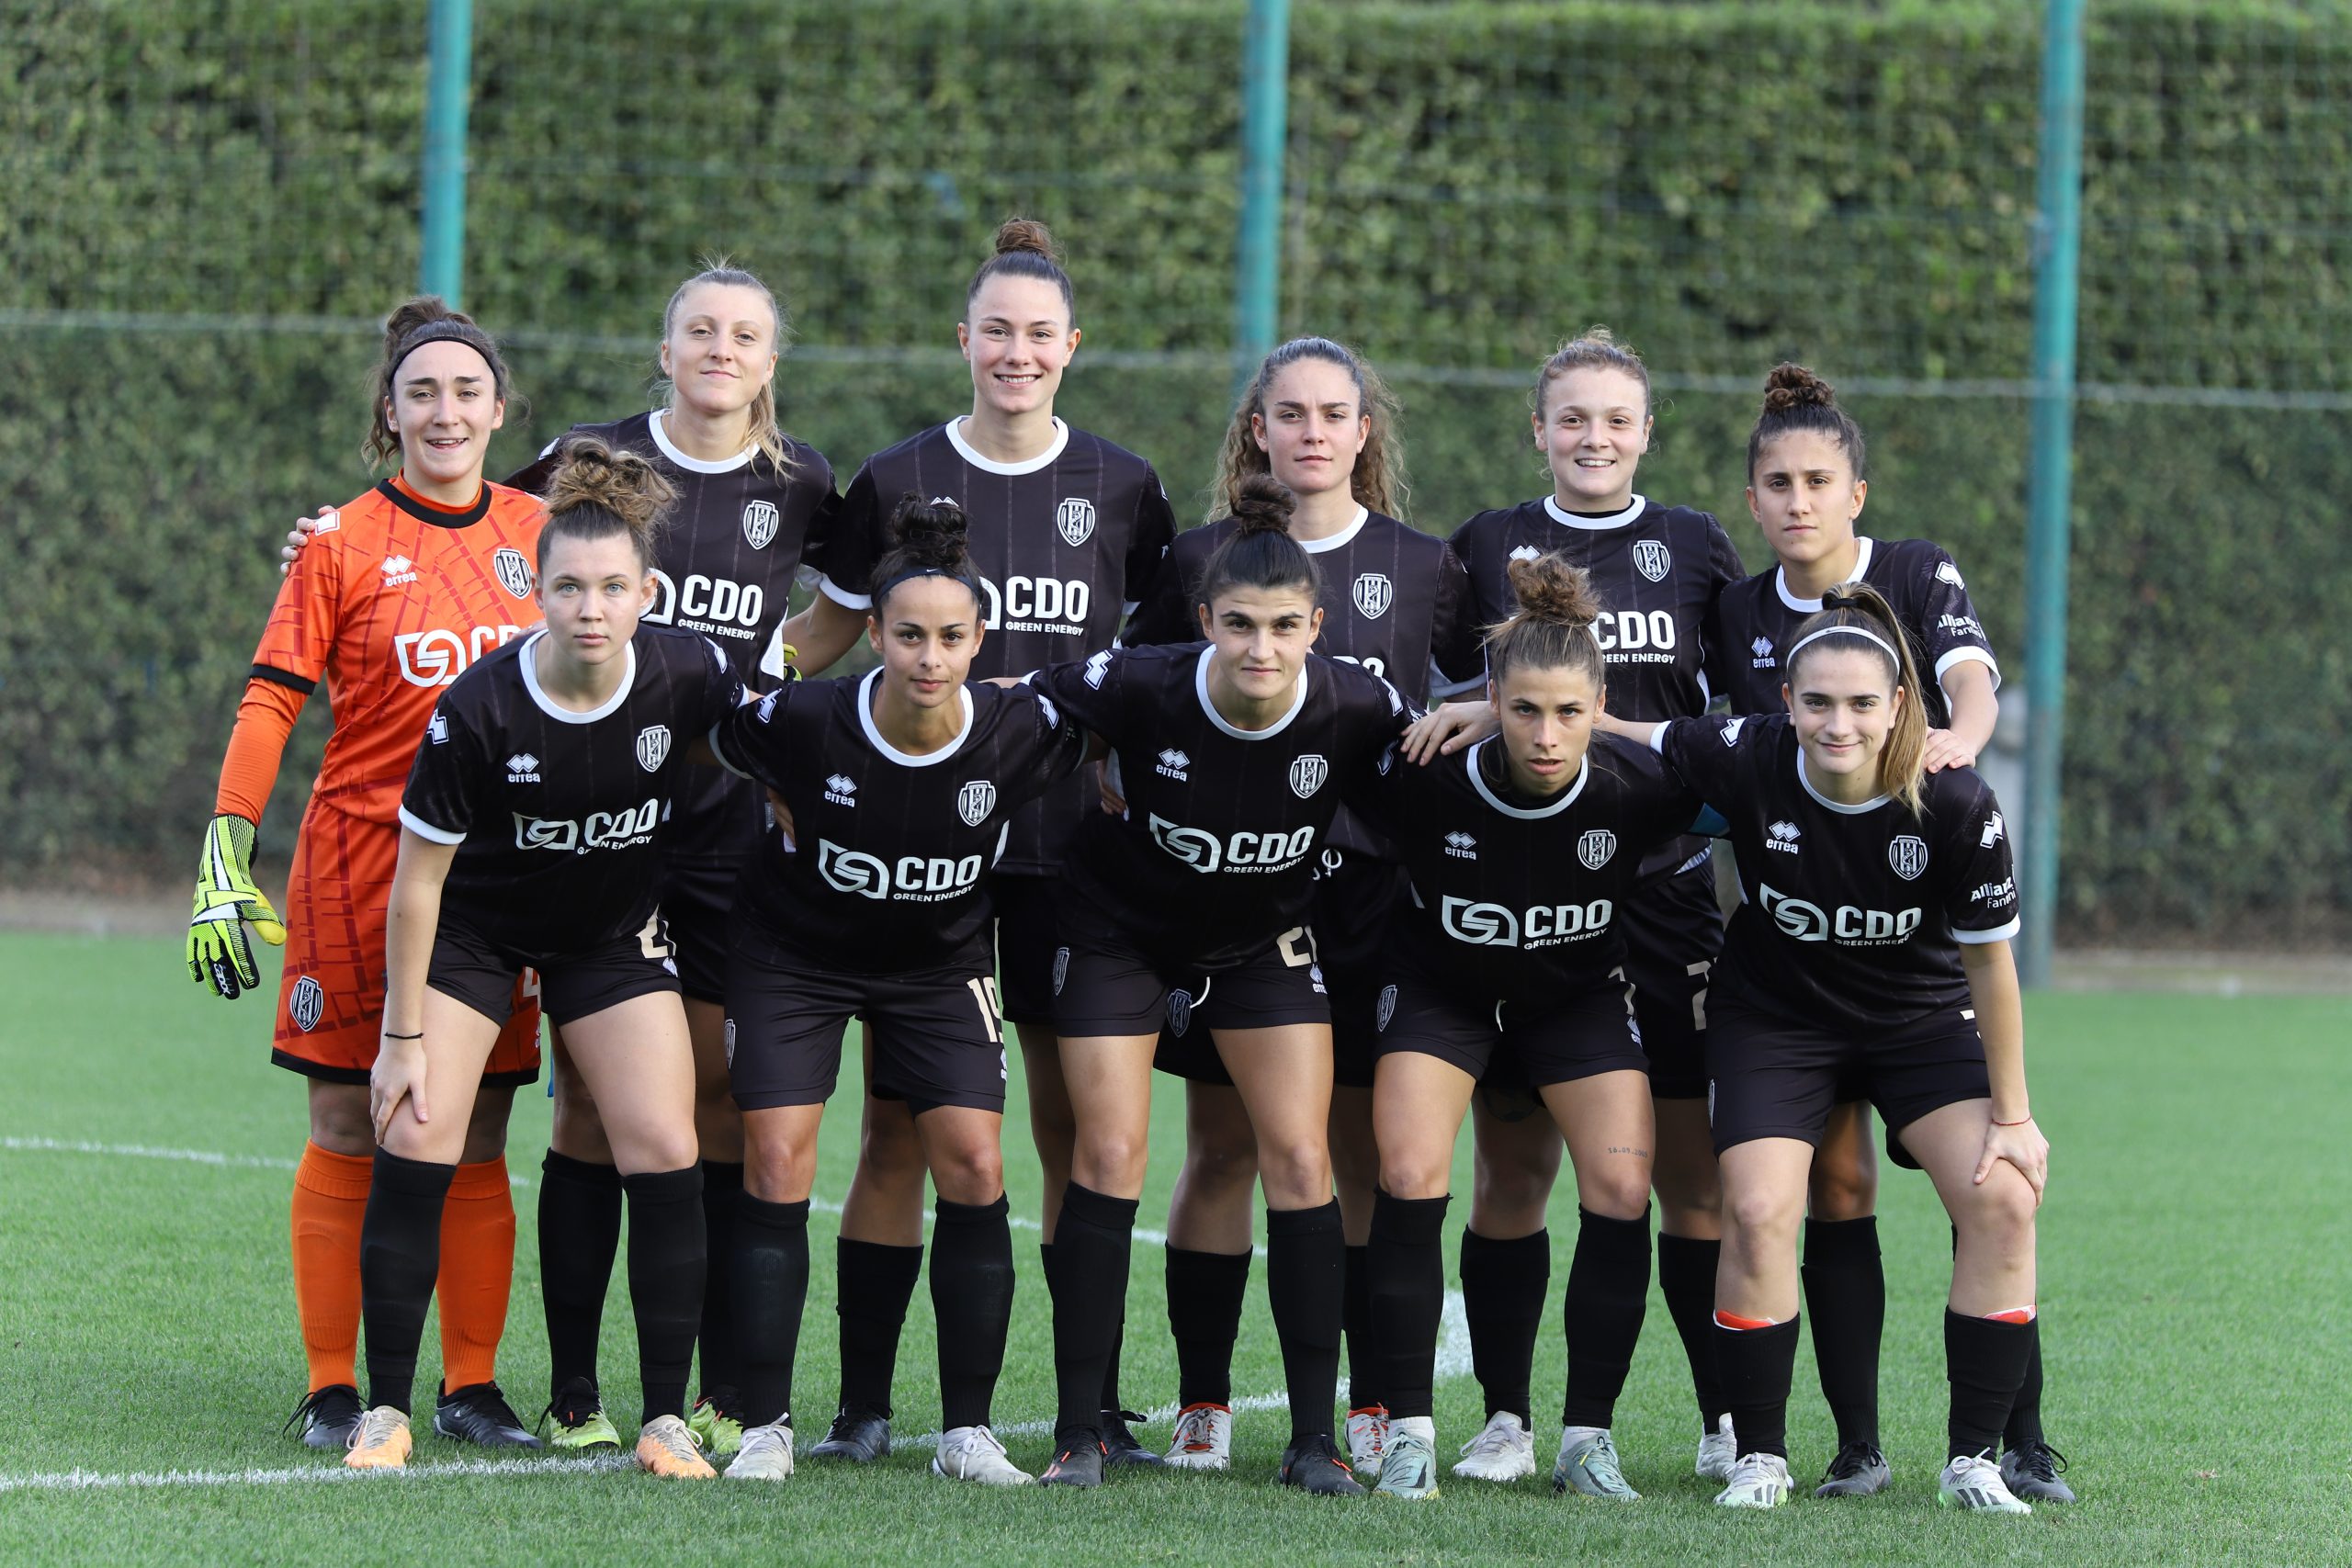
(1844, 631)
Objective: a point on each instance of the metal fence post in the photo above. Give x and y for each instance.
(1265, 127)
(442, 266)
(2057, 251)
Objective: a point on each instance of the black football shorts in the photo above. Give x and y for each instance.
(1774, 1078)
(480, 971)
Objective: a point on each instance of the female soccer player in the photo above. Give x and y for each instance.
(422, 575)
(902, 788)
(752, 505)
(1521, 852)
(1232, 755)
(1067, 536)
(1657, 570)
(1871, 951)
(530, 828)
(1319, 419)
(1806, 487)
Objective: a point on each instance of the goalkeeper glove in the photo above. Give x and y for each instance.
(226, 899)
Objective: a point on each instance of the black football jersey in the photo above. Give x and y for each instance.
(1756, 620)
(890, 867)
(1066, 544)
(724, 566)
(1657, 570)
(1849, 915)
(1217, 851)
(1515, 902)
(559, 817)
(1395, 600)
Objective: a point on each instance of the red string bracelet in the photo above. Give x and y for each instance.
(2018, 1122)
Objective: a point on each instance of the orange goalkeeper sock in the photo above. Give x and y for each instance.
(476, 1272)
(330, 1205)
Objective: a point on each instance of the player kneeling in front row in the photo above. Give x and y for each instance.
(530, 830)
(901, 787)
(1872, 947)
(1521, 849)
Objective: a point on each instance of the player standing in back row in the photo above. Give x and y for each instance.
(1067, 534)
(1657, 570)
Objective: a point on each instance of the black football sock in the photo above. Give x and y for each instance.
(2024, 1428)
(722, 1184)
(1306, 1261)
(580, 1235)
(1088, 1276)
(1686, 1277)
(875, 1283)
(667, 1266)
(1503, 1287)
(1985, 1359)
(1609, 1290)
(1756, 1366)
(1355, 1317)
(1204, 1294)
(399, 1256)
(1845, 1295)
(971, 1297)
(771, 1278)
(1111, 1405)
(1404, 1268)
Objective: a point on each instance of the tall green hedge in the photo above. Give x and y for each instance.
(204, 198)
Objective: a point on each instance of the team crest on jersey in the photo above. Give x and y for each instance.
(1652, 559)
(1388, 1009)
(1374, 594)
(975, 801)
(307, 1002)
(652, 747)
(1179, 1012)
(1308, 773)
(760, 521)
(1595, 847)
(1908, 856)
(513, 571)
(1075, 519)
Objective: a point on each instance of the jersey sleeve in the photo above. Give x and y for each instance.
(1088, 693)
(298, 639)
(1722, 570)
(1055, 740)
(754, 741)
(824, 520)
(855, 545)
(445, 800)
(534, 476)
(266, 717)
(1165, 613)
(1706, 752)
(1949, 628)
(1980, 900)
(719, 694)
(1457, 643)
(1148, 541)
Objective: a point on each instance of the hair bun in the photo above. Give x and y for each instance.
(623, 483)
(933, 534)
(420, 311)
(1026, 234)
(1791, 386)
(1264, 505)
(1549, 589)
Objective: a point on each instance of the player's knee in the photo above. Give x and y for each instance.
(1416, 1173)
(1761, 1219)
(1616, 1194)
(888, 1147)
(1294, 1171)
(1515, 1182)
(970, 1174)
(1109, 1160)
(339, 1122)
(776, 1169)
(1842, 1193)
(1999, 1215)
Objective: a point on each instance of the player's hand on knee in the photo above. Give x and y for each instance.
(2023, 1146)
(1945, 749)
(398, 1074)
(327, 520)
(226, 901)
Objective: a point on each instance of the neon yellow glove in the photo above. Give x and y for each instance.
(226, 899)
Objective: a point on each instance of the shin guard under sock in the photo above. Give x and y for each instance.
(667, 1266)
(971, 1298)
(771, 1281)
(1609, 1291)
(1504, 1284)
(1306, 1260)
(1089, 1274)
(723, 1187)
(1205, 1291)
(2024, 1428)
(875, 1283)
(1845, 1297)
(1686, 1277)
(400, 1255)
(1404, 1265)
(1355, 1319)
(1756, 1366)
(580, 1235)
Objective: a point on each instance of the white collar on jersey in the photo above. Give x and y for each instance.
(874, 734)
(528, 660)
(1200, 689)
(657, 423)
(964, 449)
(1333, 541)
(1873, 803)
(1566, 519)
(1810, 607)
(1478, 782)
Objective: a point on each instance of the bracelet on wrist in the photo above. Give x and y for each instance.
(389, 1036)
(2018, 1122)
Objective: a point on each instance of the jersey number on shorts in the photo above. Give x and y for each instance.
(983, 989)
(1287, 945)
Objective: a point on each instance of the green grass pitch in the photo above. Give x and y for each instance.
(2197, 1257)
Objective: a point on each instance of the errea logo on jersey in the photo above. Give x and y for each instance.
(841, 789)
(1461, 845)
(398, 569)
(1172, 764)
(522, 768)
(1762, 649)
(1781, 836)
(437, 657)
(1525, 552)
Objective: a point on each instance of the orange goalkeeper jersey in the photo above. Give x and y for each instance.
(387, 607)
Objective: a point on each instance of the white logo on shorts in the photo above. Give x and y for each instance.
(1387, 1006)
(1180, 1013)
(730, 1042)
(1061, 968)
(309, 1001)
